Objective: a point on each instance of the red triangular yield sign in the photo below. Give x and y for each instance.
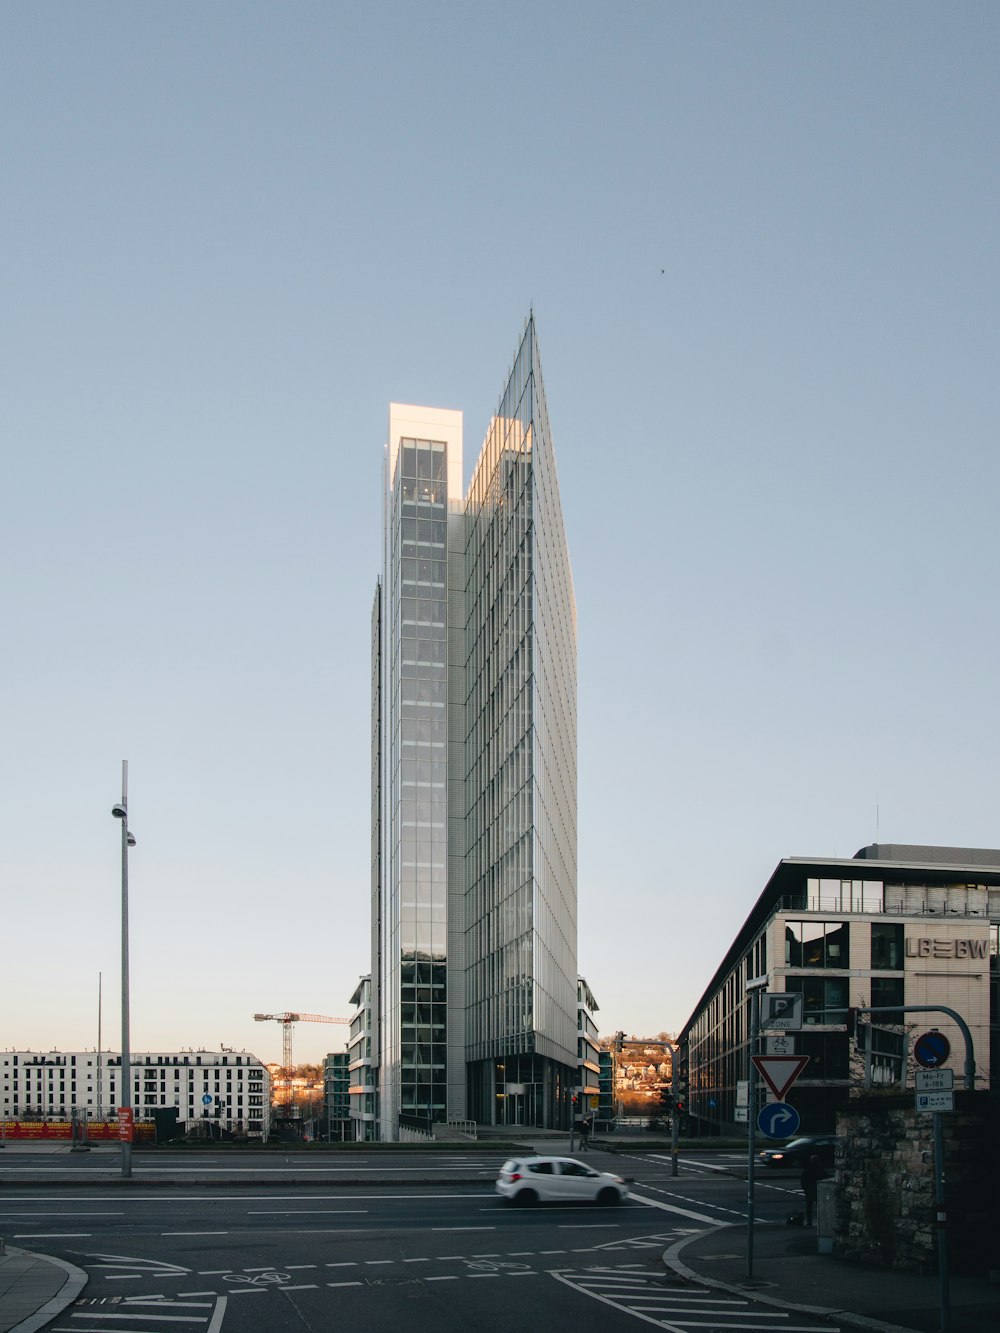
(779, 1072)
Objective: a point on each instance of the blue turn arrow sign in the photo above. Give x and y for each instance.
(778, 1120)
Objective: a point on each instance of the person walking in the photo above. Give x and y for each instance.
(812, 1173)
(585, 1133)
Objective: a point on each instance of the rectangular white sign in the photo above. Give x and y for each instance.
(742, 1092)
(742, 1115)
(935, 1101)
(934, 1080)
(780, 1045)
(781, 1011)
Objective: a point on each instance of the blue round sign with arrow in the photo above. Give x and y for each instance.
(931, 1049)
(778, 1120)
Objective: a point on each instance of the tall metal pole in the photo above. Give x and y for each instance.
(940, 1223)
(125, 1088)
(675, 1114)
(100, 1079)
(752, 1121)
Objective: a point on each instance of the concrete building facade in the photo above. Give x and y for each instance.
(894, 925)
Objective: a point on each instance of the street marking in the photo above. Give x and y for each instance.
(681, 1212)
(463, 1228)
(52, 1235)
(345, 1284)
(448, 1277)
(194, 1233)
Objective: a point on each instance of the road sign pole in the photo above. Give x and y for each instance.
(941, 1225)
(752, 1121)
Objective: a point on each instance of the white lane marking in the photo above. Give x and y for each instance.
(448, 1277)
(524, 1272)
(482, 1275)
(295, 1267)
(131, 1301)
(194, 1233)
(122, 1277)
(343, 1263)
(248, 1291)
(681, 1212)
(380, 1261)
(159, 1318)
(309, 1212)
(463, 1228)
(52, 1235)
(416, 1261)
(85, 1213)
(196, 1293)
(302, 1286)
(586, 1226)
(344, 1284)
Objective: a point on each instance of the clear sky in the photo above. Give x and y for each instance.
(760, 241)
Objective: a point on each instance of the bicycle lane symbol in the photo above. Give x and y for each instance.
(493, 1266)
(272, 1278)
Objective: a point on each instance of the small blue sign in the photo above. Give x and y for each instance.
(206, 1099)
(931, 1050)
(778, 1120)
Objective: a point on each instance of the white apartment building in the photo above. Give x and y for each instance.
(227, 1090)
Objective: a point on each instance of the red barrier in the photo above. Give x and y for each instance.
(97, 1130)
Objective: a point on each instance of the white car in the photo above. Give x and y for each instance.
(527, 1180)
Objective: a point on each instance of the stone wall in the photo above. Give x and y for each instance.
(885, 1197)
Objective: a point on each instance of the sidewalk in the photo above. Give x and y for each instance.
(34, 1288)
(789, 1274)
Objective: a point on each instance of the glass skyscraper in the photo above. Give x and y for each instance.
(474, 773)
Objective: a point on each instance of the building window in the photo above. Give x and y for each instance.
(824, 1000)
(887, 948)
(817, 944)
(885, 991)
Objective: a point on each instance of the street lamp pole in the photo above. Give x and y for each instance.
(125, 1078)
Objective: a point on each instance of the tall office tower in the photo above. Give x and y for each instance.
(474, 773)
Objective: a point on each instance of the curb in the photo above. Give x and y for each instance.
(76, 1280)
(672, 1260)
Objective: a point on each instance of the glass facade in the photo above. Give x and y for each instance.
(412, 777)
(474, 772)
(521, 768)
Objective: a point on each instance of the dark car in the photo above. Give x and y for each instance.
(796, 1152)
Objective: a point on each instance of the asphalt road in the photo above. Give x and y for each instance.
(304, 1256)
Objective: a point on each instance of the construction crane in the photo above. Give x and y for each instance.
(286, 1021)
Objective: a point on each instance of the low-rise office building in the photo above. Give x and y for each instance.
(218, 1091)
(587, 1050)
(362, 1072)
(894, 925)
